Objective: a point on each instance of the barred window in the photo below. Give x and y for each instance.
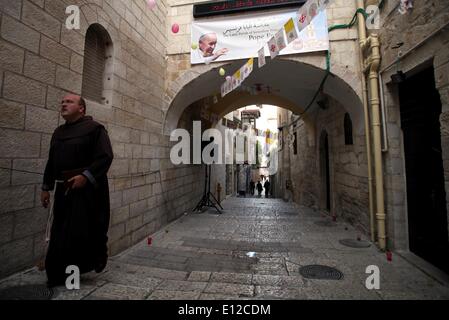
(348, 129)
(97, 53)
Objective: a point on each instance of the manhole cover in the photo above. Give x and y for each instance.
(26, 292)
(325, 223)
(355, 243)
(316, 271)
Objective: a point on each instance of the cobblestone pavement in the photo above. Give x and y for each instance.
(254, 250)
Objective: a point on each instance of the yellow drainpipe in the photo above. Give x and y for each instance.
(362, 39)
(372, 68)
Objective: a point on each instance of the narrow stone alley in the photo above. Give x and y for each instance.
(254, 250)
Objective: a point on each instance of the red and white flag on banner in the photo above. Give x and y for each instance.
(290, 30)
(309, 10)
(272, 46)
(261, 54)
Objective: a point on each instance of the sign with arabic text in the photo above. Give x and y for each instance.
(232, 6)
(224, 39)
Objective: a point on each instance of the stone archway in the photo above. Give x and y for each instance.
(294, 80)
(294, 83)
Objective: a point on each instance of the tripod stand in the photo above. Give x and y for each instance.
(206, 200)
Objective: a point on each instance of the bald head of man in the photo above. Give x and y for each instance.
(73, 107)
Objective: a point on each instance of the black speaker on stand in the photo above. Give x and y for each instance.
(208, 199)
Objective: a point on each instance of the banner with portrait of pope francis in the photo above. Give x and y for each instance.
(224, 39)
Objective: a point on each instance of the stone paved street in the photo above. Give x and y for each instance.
(208, 256)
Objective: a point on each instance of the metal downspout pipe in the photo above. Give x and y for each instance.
(362, 39)
(373, 68)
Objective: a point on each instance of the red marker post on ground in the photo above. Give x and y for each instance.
(389, 256)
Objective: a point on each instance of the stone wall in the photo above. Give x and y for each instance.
(423, 38)
(348, 168)
(303, 168)
(41, 60)
(218, 175)
(283, 173)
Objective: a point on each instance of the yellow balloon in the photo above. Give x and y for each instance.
(194, 46)
(222, 72)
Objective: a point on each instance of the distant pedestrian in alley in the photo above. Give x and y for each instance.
(259, 188)
(252, 187)
(267, 185)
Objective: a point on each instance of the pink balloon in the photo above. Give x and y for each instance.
(151, 4)
(175, 28)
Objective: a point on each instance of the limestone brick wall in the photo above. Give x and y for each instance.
(423, 38)
(41, 60)
(283, 172)
(218, 174)
(302, 168)
(348, 168)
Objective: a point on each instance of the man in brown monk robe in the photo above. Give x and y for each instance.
(79, 159)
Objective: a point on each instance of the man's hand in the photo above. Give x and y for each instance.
(45, 198)
(221, 52)
(77, 182)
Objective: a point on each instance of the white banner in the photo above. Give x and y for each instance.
(224, 39)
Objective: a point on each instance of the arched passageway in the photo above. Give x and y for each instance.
(292, 85)
(283, 82)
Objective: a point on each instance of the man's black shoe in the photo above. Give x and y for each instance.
(55, 283)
